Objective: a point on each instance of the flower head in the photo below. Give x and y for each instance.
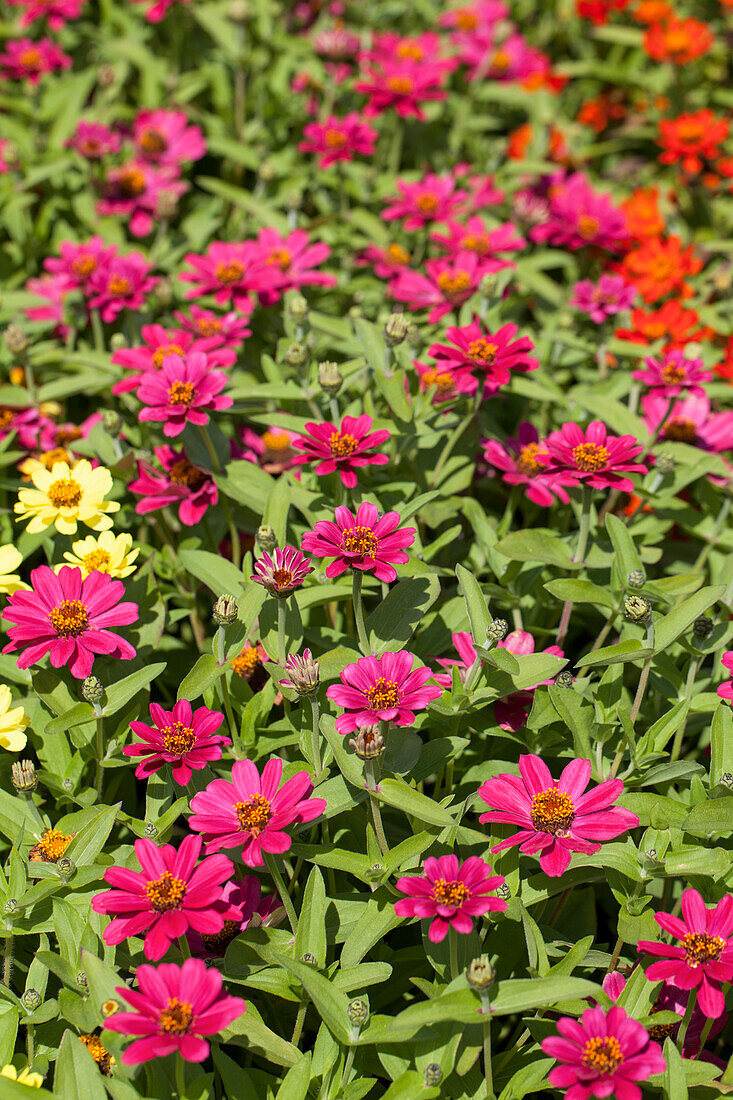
(523, 463)
(173, 1008)
(493, 356)
(282, 573)
(65, 497)
(55, 12)
(337, 139)
(25, 59)
(231, 273)
(363, 541)
(303, 672)
(593, 456)
(344, 448)
(678, 40)
(185, 390)
(252, 812)
(674, 374)
(184, 738)
(121, 284)
(382, 689)
(692, 140)
(52, 844)
(92, 140)
(450, 892)
(448, 283)
(402, 85)
(554, 815)
(672, 323)
(13, 723)
(432, 199)
(24, 1077)
(601, 300)
(579, 216)
(107, 553)
(245, 896)
(659, 266)
(180, 482)
(165, 137)
(69, 617)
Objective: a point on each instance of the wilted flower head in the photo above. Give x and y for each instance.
(303, 673)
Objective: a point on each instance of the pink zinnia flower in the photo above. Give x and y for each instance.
(467, 655)
(495, 355)
(486, 243)
(579, 216)
(672, 999)
(26, 423)
(93, 141)
(725, 691)
(185, 390)
(345, 449)
(273, 450)
(593, 457)
(56, 12)
(449, 282)
(385, 261)
(601, 300)
(157, 10)
(362, 541)
(122, 284)
(452, 893)
(704, 958)
(180, 482)
(159, 344)
(174, 1007)
(402, 86)
(165, 137)
(474, 19)
(602, 1054)
(167, 897)
(522, 463)
(253, 812)
(69, 618)
(25, 59)
(688, 421)
(78, 262)
(293, 259)
(135, 190)
(512, 711)
(382, 689)
(252, 908)
(673, 374)
(53, 289)
(388, 47)
(182, 737)
(432, 199)
(554, 815)
(282, 573)
(447, 382)
(228, 330)
(231, 272)
(337, 138)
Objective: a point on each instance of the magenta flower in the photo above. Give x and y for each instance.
(385, 261)
(690, 420)
(578, 216)
(122, 284)
(78, 262)
(25, 59)
(230, 272)
(167, 897)
(554, 815)
(253, 812)
(54, 290)
(337, 139)
(402, 86)
(449, 282)
(494, 355)
(293, 259)
(522, 463)
(26, 423)
(229, 330)
(92, 140)
(674, 374)
(165, 137)
(511, 60)
(362, 541)
(601, 300)
(486, 243)
(135, 191)
(672, 999)
(69, 618)
(725, 691)
(432, 199)
(252, 908)
(184, 390)
(160, 343)
(592, 457)
(180, 482)
(56, 12)
(463, 641)
(282, 573)
(704, 958)
(382, 689)
(602, 1054)
(344, 449)
(182, 737)
(174, 1008)
(452, 893)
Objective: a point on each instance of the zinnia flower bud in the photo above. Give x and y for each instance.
(396, 329)
(665, 463)
(266, 537)
(226, 610)
(117, 342)
(10, 908)
(311, 960)
(636, 578)
(651, 853)
(330, 378)
(480, 973)
(637, 609)
(31, 1000)
(92, 689)
(368, 743)
(298, 308)
(296, 355)
(497, 630)
(16, 340)
(727, 779)
(564, 679)
(67, 783)
(66, 867)
(303, 673)
(433, 1075)
(151, 829)
(503, 891)
(487, 286)
(23, 775)
(702, 628)
(112, 421)
(238, 11)
(358, 1012)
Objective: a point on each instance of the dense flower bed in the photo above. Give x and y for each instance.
(366, 558)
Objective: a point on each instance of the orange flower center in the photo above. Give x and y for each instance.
(282, 578)
(483, 351)
(552, 812)
(176, 1018)
(50, 847)
(99, 1053)
(181, 393)
(383, 694)
(527, 460)
(183, 472)
(443, 381)
(590, 457)
(361, 540)
(334, 139)
(84, 265)
(476, 242)
(65, 493)
(70, 618)
(466, 19)
(680, 431)
(397, 253)
(152, 141)
(400, 85)
(207, 326)
(450, 893)
(662, 268)
(119, 285)
(131, 182)
(97, 561)
(178, 738)
(672, 373)
(501, 61)
(230, 273)
(51, 458)
(247, 662)
(165, 349)
(7, 416)
(165, 893)
(281, 258)
(603, 1054)
(342, 445)
(254, 814)
(31, 59)
(410, 50)
(588, 226)
(701, 948)
(454, 284)
(427, 202)
(278, 442)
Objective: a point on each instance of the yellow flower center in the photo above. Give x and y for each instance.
(442, 379)
(276, 441)
(483, 351)
(119, 285)
(552, 812)
(70, 618)
(207, 326)
(466, 19)
(454, 284)
(152, 141)
(672, 373)
(383, 694)
(501, 61)
(165, 893)
(450, 893)
(176, 1018)
(361, 540)
(590, 457)
(527, 461)
(31, 59)
(281, 258)
(230, 273)
(342, 445)
(410, 50)
(254, 814)
(178, 738)
(97, 561)
(50, 847)
(476, 242)
(165, 349)
(131, 182)
(65, 493)
(181, 393)
(334, 139)
(99, 1053)
(51, 458)
(397, 253)
(427, 202)
(84, 265)
(701, 948)
(603, 1054)
(246, 663)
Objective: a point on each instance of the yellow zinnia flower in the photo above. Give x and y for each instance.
(25, 1077)
(13, 723)
(107, 553)
(66, 496)
(10, 559)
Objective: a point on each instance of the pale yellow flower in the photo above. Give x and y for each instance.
(66, 496)
(107, 553)
(10, 559)
(13, 723)
(25, 1077)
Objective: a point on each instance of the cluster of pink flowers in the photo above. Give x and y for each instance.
(575, 215)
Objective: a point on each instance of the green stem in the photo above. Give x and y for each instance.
(184, 948)
(8, 960)
(282, 890)
(682, 1034)
(180, 1077)
(97, 330)
(299, 1022)
(315, 736)
(371, 785)
(281, 655)
(359, 613)
(453, 945)
(450, 444)
(99, 774)
(487, 1057)
(711, 540)
(348, 1067)
(689, 685)
(30, 1044)
(579, 555)
(233, 727)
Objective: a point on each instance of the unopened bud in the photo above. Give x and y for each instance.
(226, 610)
(151, 829)
(358, 1012)
(497, 630)
(303, 672)
(298, 308)
(112, 422)
(238, 11)
(11, 154)
(330, 378)
(167, 205)
(31, 1000)
(665, 463)
(11, 907)
(727, 779)
(66, 867)
(356, 312)
(296, 355)
(480, 973)
(702, 628)
(375, 872)
(396, 329)
(637, 609)
(162, 292)
(92, 689)
(266, 537)
(105, 76)
(368, 743)
(503, 891)
(16, 340)
(17, 374)
(23, 775)
(293, 201)
(414, 335)
(564, 679)
(67, 783)
(651, 854)
(636, 578)
(488, 285)
(433, 1075)
(266, 171)
(311, 960)
(109, 1007)
(117, 342)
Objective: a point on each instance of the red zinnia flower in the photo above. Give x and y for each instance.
(344, 449)
(678, 40)
(362, 541)
(282, 573)
(593, 456)
(452, 893)
(337, 139)
(180, 482)
(382, 689)
(658, 267)
(692, 139)
(252, 812)
(554, 815)
(69, 618)
(175, 1006)
(167, 897)
(672, 323)
(704, 958)
(643, 216)
(494, 355)
(184, 390)
(181, 737)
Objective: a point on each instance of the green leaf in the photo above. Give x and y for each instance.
(251, 1031)
(669, 627)
(721, 742)
(408, 1086)
(77, 716)
(377, 919)
(629, 650)
(522, 994)
(537, 545)
(578, 591)
(394, 621)
(90, 840)
(627, 556)
(217, 573)
(246, 483)
(403, 797)
(476, 604)
(296, 1081)
(675, 1082)
(76, 1073)
(715, 816)
(124, 690)
(331, 1004)
(204, 673)
(311, 935)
